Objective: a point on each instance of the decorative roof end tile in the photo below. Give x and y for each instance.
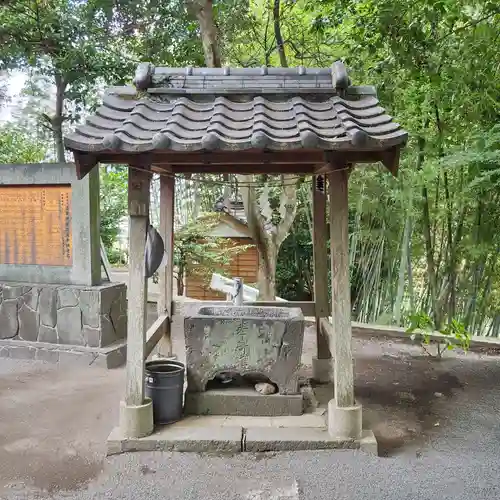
(359, 138)
(144, 76)
(340, 78)
(210, 141)
(309, 139)
(160, 141)
(111, 142)
(259, 140)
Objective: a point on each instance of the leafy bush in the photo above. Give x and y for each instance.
(19, 146)
(454, 334)
(116, 257)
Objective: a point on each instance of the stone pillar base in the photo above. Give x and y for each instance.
(136, 421)
(344, 422)
(322, 370)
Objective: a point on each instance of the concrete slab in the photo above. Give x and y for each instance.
(242, 402)
(245, 421)
(180, 438)
(311, 420)
(306, 420)
(205, 420)
(368, 443)
(260, 439)
(237, 434)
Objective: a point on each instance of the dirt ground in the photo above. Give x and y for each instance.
(54, 421)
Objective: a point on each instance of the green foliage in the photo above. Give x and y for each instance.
(423, 58)
(158, 32)
(116, 257)
(113, 200)
(294, 270)
(19, 146)
(73, 44)
(454, 333)
(427, 241)
(62, 37)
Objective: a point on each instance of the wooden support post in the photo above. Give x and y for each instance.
(138, 209)
(166, 273)
(322, 307)
(341, 299)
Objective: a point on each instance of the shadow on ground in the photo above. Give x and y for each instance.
(410, 398)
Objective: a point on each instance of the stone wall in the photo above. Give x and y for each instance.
(63, 314)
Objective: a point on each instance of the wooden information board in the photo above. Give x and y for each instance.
(35, 225)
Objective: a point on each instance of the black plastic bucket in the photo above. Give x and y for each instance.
(165, 387)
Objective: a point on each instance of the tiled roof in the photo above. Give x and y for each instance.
(238, 109)
(233, 208)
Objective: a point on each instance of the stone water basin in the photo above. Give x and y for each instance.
(246, 340)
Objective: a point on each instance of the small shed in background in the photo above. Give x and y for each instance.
(233, 227)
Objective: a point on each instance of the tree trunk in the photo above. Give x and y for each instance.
(268, 243)
(449, 236)
(277, 34)
(58, 118)
(405, 244)
(203, 10)
(266, 278)
(197, 198)
(411, 291)
(429, 248)
(180, 280)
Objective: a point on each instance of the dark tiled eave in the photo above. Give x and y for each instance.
(199, 112)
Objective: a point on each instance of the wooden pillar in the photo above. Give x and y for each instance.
(138, 209)
(341, 299)
(166, 273)
(320, 255)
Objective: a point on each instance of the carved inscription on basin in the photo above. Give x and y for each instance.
(244, 339)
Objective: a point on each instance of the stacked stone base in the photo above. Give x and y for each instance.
(243, 402)
(205, 437)
(60, 323)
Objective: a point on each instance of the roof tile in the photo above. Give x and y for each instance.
(237, 109)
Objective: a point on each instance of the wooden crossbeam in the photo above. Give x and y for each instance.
(155, 333)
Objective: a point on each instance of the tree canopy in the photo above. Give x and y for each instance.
(426, 241)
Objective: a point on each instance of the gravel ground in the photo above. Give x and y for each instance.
(437, 425)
